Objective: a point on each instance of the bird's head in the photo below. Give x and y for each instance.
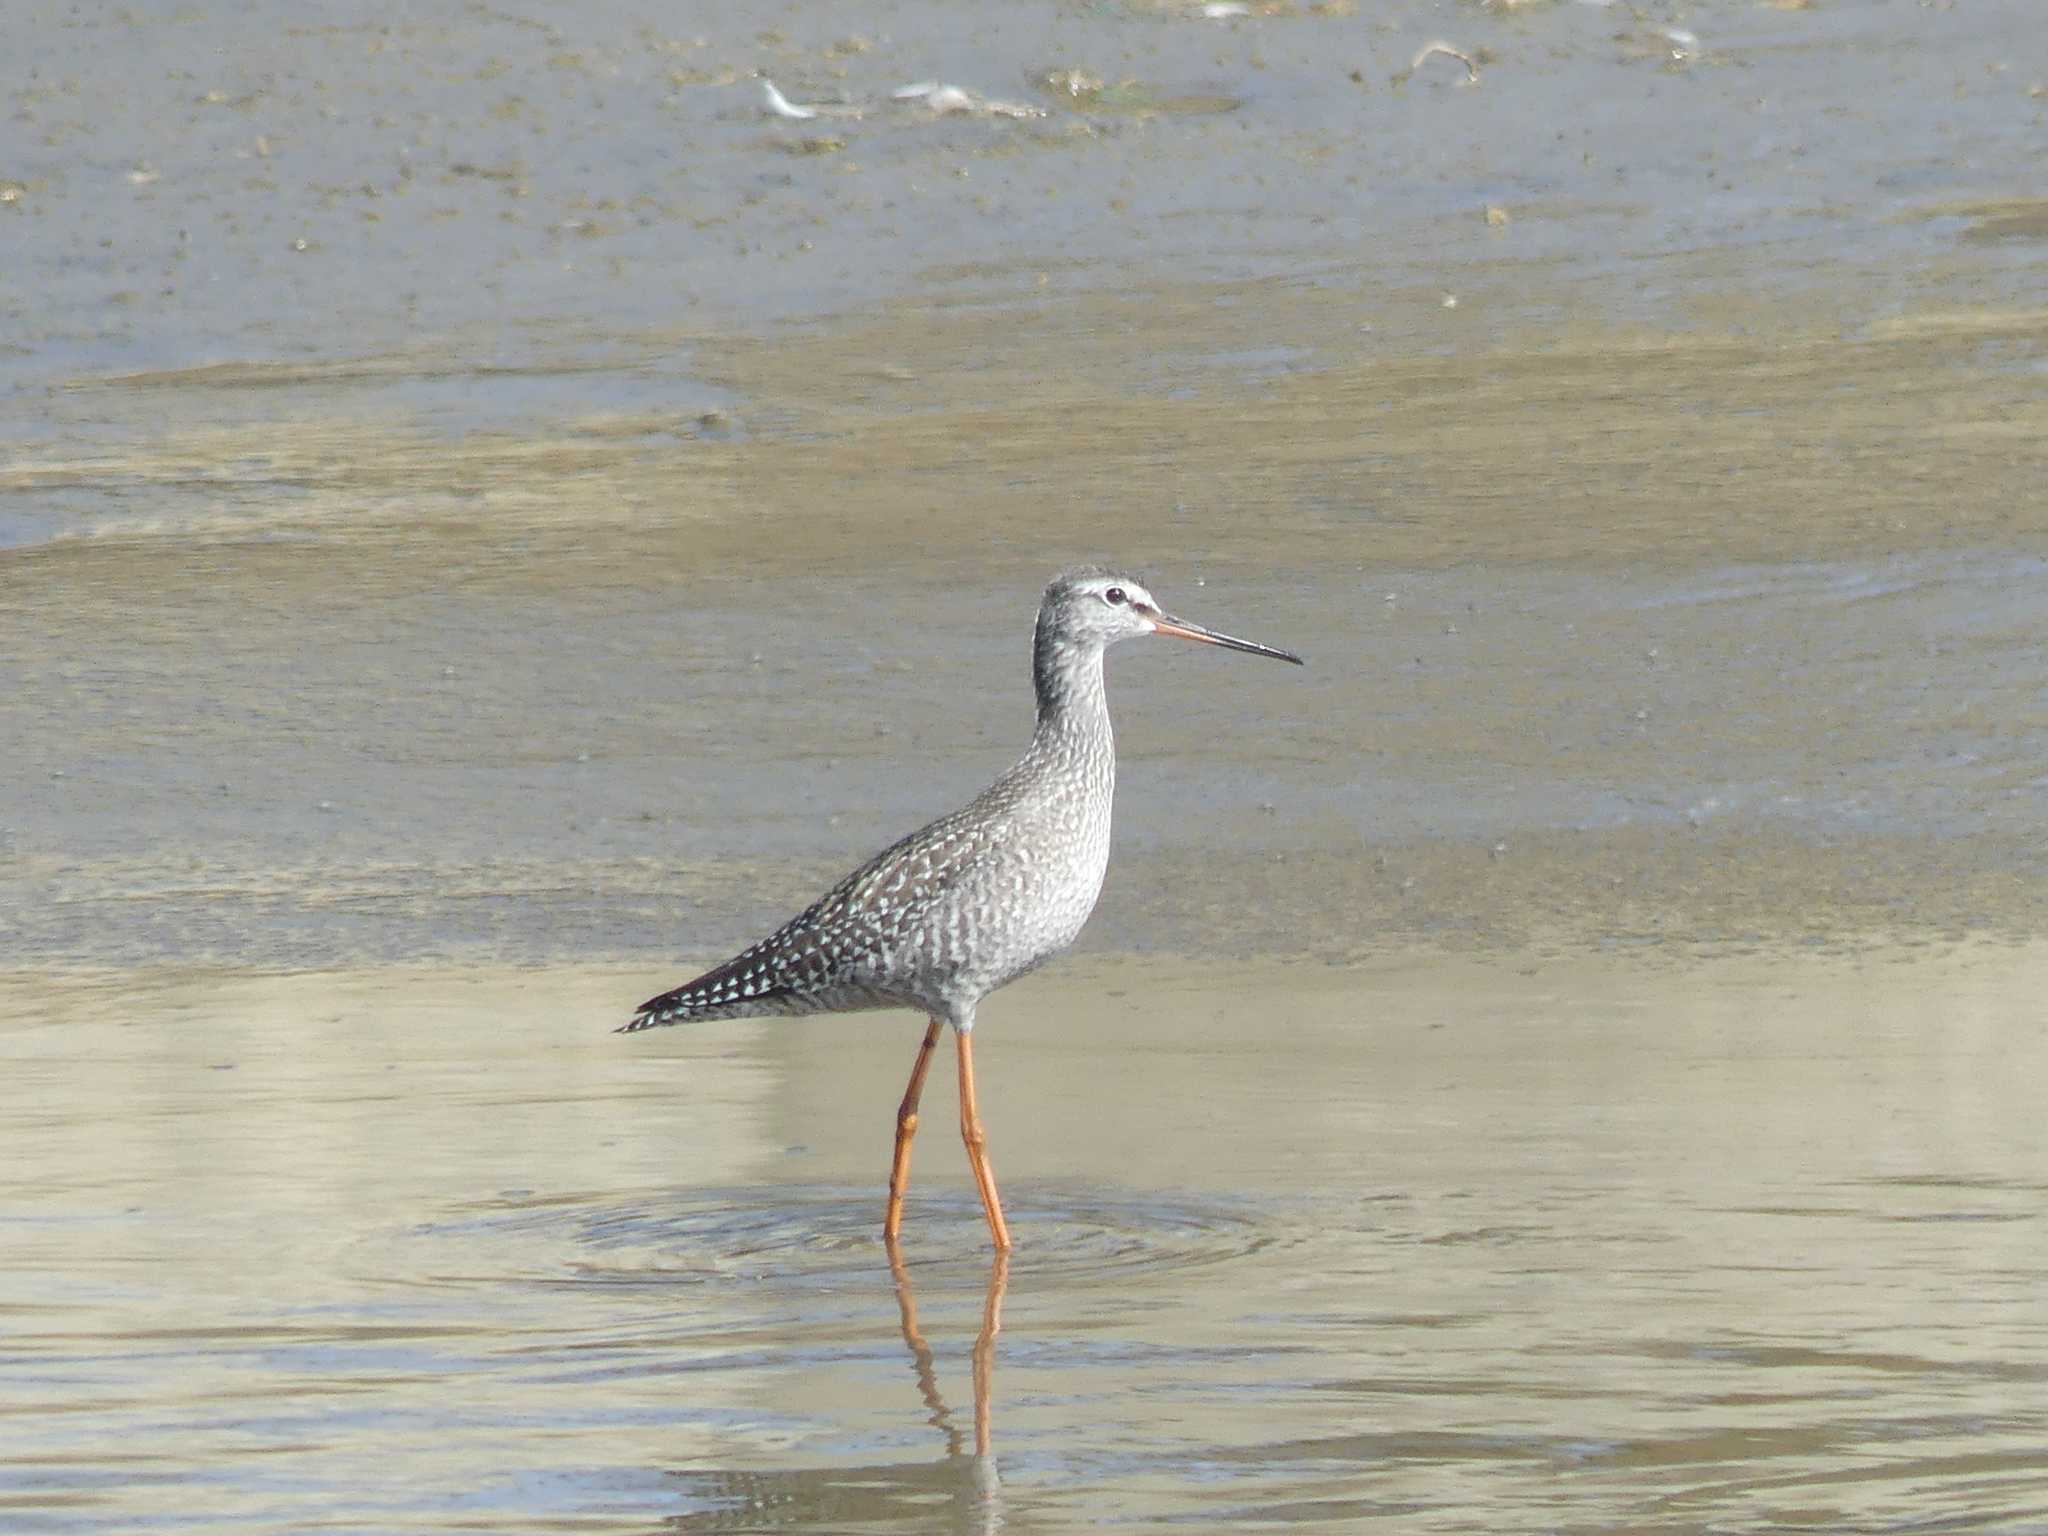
(1093, 608)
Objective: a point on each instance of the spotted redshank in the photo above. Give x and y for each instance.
(939, 920)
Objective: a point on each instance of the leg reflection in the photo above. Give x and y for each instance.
(941, 1417)
(985, 1348)
(957, 1494)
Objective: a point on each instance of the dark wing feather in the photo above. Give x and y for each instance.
(749, 980)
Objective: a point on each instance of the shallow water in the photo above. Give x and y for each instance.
(1543, 1246)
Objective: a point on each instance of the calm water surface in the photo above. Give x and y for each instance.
(1565, 1246)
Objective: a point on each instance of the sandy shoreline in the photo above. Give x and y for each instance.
(575, 1004)
(1613, 641)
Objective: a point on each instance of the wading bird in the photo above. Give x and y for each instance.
(941, 919)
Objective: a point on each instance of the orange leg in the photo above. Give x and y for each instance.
(977, 1144)
(906, 1128)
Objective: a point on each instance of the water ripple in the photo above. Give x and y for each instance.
(825, 1236)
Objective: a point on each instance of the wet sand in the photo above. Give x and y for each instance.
(1540, 1245)
(1692, 640)
(535, 189)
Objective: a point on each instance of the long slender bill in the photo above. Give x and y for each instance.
(1167, 624)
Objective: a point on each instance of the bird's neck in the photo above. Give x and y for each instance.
(1073, 709)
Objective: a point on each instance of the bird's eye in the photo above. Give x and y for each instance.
(1113, 596)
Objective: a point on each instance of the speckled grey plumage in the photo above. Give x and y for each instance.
(942, 918)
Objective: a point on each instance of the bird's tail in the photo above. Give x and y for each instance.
(678, 1005)
(736, 989)
(646, 1016)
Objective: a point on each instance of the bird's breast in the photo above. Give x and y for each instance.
(1040, 886)
(1013, 884)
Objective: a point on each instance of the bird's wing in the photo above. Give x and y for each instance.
(859, 919)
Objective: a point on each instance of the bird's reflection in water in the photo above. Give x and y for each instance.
(960, 1493)
(984, 1357)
